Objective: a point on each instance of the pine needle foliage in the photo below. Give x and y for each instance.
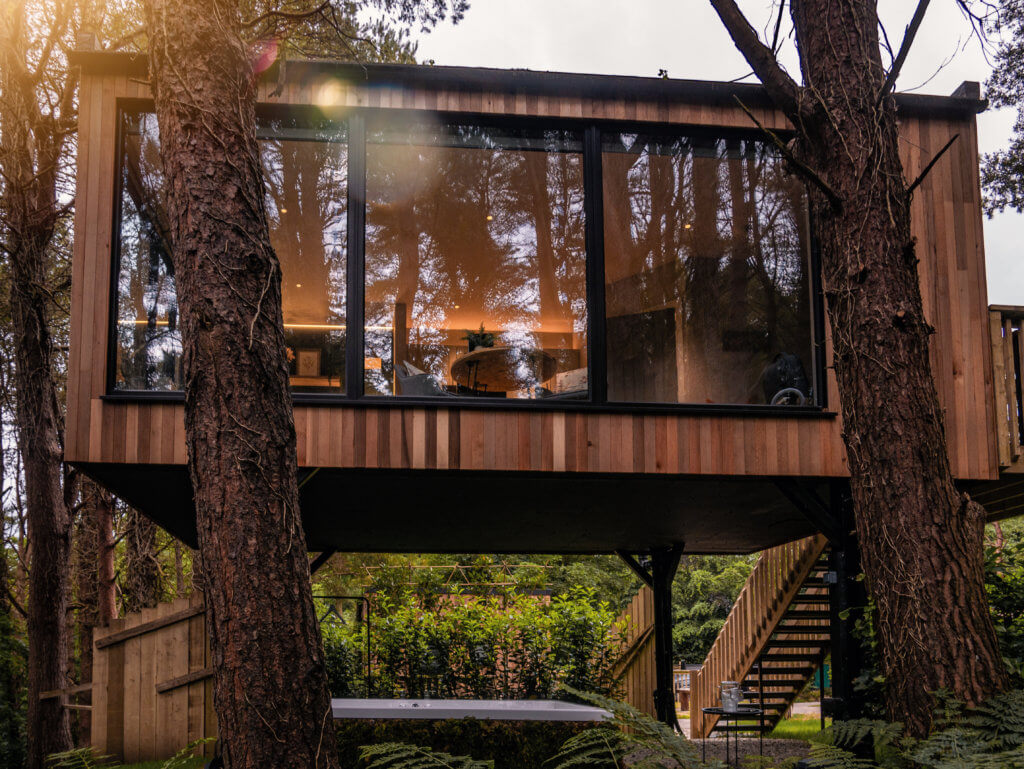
(398, 755)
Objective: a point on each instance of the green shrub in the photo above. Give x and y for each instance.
(492, 647)
(510, 744)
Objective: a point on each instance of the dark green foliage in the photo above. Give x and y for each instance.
(704, 591)
(990, 735)
(1004, 581)
(392, 755)
(493, 647)
(510, 744)
(1002, 172)
(13, 659)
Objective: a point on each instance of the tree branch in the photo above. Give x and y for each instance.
(14, 601)
(802, 168)
(901, 57)
(781, 87)
(920, 177)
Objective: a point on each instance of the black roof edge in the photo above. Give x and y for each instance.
(965, 100)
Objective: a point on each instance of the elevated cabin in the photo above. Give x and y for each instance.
(630, 258)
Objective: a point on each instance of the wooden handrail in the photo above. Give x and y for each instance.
(773, 583)
(1006, 325)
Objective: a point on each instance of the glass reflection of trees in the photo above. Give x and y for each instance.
(706, 267)
(471, 225)
(305, 170)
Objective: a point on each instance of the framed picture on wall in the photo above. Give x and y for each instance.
(307, 363)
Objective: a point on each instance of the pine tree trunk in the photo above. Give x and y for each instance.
(270, 689)
(920, 538)
(30, 147)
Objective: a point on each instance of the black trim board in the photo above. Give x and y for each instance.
(531, 82)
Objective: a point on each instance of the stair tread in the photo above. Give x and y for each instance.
(789, 657)
(794, 643)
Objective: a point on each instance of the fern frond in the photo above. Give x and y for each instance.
(1001, 717)
(599, 748)
(832, 757)
(185, 757)
(849, 734)
(399, 755)
(79, 758)
(640, 730)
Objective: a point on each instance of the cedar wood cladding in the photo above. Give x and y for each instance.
(946, 220)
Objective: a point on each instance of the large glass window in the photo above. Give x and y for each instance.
(707, 289)
(305, 169)
(474, 265)
(475, 262)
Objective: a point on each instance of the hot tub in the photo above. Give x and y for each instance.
(485, 710)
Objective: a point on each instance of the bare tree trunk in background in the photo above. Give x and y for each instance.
(270, 688)
(179, 571)
(141, 578)
(94, 579)
(30, 149)
(94, 576)
(920, 538)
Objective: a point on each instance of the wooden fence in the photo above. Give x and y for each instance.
(635, 668)
(152, 690)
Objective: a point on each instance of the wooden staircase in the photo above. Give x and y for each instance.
(775, 637)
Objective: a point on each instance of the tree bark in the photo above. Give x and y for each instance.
(270, 689)
(30, 147)
(920, 537)
(94, 580)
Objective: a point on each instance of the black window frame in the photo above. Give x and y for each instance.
(356, 120)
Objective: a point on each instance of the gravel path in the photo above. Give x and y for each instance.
(777, 750)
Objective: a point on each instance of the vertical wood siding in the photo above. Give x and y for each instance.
(947, 224)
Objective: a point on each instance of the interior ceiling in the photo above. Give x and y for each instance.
(464, 512)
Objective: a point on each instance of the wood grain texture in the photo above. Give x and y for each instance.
(133, 720)
(946, 222)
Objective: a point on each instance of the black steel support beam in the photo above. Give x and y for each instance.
(817, 512)
(636, 567)
(848, 599)
(664, 563)
(320, 560)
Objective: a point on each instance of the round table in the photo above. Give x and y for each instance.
(743, 713)
(501, 369)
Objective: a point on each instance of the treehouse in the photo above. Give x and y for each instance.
(529, 311)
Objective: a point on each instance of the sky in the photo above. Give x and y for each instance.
(685, 37)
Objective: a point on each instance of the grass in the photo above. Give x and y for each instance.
(798, 728)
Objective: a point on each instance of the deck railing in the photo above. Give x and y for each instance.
(1008, 369)
(774, 582)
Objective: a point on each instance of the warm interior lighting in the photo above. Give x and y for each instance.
(298, 285)
(490, 218)
(284, 210)
(300, 326)
(687, 226)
